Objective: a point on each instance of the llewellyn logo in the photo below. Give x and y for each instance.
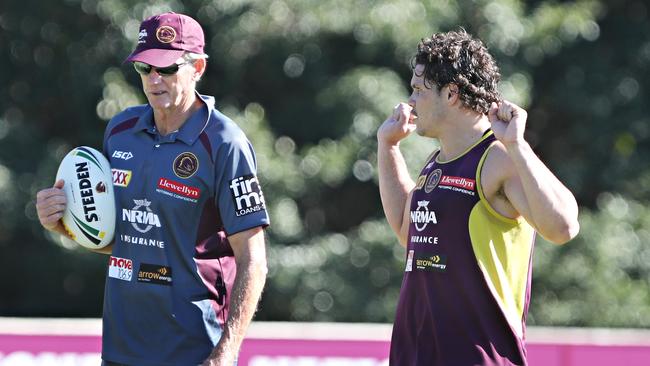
(179, 188)
(459, 182)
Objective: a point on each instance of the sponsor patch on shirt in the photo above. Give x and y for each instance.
(185, 165)
(420, 182)
(141, 217)
(458, 184)
(432, 180)
(120, 268)
(422, 217)
(178, 190)
(124, 155)
(247, 195)
(409, 262)
(430, 262)
(154, 273)
(121, 178)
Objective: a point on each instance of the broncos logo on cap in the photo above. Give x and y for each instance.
(166, 34)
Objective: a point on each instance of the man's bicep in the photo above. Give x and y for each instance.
(501, 185)
(513, 191)
(248, 244)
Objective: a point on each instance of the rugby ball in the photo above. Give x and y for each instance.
(89, 216)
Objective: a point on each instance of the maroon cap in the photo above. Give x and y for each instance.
(164, 38)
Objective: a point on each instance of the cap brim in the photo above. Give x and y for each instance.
(156, 57)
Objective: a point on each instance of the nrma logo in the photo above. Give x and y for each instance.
(422, 217)
(247, 195)
(141, 216)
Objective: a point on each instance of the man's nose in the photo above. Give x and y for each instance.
(411, 101)
(154, 77)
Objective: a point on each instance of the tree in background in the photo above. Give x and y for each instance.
(310, 82)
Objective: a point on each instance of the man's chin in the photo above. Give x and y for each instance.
(425, 133)
(160, 104)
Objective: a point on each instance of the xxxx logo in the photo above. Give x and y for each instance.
(121, 178)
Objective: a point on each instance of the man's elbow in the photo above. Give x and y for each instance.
(565, 233)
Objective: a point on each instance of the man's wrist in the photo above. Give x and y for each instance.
(517, 145)
(388, 144)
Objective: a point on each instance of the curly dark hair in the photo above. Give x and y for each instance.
(459, 58)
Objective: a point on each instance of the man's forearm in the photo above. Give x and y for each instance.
(553, 208)
(395, 184)
(246, 292)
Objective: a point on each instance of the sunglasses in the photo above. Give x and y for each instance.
(145, 69)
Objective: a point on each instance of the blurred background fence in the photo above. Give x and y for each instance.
(310, 81)
(77, 342)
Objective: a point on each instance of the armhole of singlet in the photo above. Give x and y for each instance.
(479, 188)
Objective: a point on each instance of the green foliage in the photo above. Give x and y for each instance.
(310, 82)
(601, 278)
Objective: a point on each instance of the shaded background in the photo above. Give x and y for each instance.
(310, 81)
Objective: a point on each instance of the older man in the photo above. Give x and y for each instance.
(190, 214)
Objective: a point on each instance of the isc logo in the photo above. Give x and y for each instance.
(124, 155)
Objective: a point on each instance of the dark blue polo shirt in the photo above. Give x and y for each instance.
(171, 271)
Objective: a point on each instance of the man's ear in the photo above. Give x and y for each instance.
(452, 93)
(199, 68)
